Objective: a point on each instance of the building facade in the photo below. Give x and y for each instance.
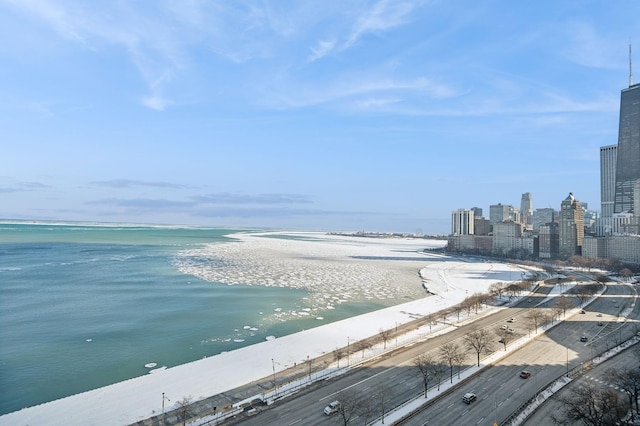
(548, 240)
(542, 217)
(505, 236)
(571, 227)
(462, 222)
(481, 226)
(608, 158)
(628, 150)
(498, 213)
(526, 209)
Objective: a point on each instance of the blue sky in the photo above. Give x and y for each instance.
(351, 115)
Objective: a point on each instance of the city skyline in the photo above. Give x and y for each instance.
(376, 116)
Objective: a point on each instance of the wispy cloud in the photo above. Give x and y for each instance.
(376, 18)
(228, 198)
(23, 187)
(127, 183)
(254, 202)
(142, 203)
(257, 212)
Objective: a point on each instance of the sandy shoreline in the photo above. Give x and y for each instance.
(335, 269)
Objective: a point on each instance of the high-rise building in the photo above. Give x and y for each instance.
(608, 158)
(498, 213)
(571, 227)
(628, 150)
(481, 226)
(477, 211)
(526, 209)
(462, 222)
(548, 240)
(542, 217)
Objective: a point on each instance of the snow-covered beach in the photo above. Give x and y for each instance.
(335, 269)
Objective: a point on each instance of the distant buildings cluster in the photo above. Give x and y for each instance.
(574, 230)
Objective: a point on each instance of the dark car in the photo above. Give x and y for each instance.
(525, 374)
(584, 339)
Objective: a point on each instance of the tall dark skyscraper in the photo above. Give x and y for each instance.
(628, 152)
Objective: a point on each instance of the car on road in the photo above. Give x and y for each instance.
(510, 330)
(584, 339)
(511, 320)
(332, 408)
(525, 374)
(599, 315)
(504, 327)
(600, 323)
(469, 397)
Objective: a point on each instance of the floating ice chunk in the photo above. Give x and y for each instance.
(247, 327)
(150, 365)
(320, 318)
(270, 338)
(238, 340)
(278, 309)
(89, 340)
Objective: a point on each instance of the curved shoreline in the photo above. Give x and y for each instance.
(135, 399)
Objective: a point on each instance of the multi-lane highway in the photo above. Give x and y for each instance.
(499, 388)
(597, 376)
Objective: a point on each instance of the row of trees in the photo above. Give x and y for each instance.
(432, 366)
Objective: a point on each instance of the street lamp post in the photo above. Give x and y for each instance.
(163, 399)
(396, 334)
(275, 384)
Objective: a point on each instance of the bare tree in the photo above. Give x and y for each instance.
(582, 295)
(383, 397)
(592, 406)
(353, 405)
(626, 273)
(429, 319)
(425, 364)
(456, 309)
(385, 335)
(628, 380)
(363, 345)
(338, 354)
(183, 407)
(534, 317)
(497, 289)
(459, 359)
(563, 304)
(479, 341)
(505, 337)
(450, 353)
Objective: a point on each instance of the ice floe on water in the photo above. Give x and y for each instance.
(333, 269)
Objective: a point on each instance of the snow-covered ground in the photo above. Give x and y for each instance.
(336, 269)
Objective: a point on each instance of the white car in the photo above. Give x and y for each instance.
(469, 397)
(333, 407)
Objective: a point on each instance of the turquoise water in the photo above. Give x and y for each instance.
(86, 306)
